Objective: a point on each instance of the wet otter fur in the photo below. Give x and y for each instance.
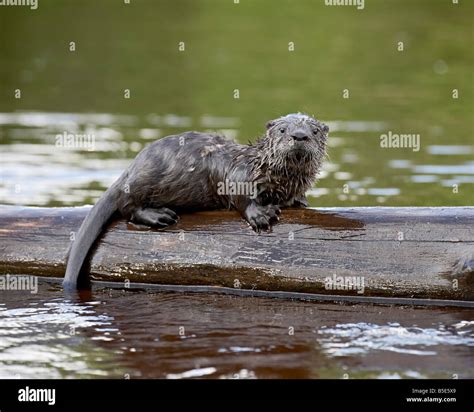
(184, 172)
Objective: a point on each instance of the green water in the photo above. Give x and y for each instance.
(282, 56)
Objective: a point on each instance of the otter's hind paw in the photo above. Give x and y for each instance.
(161, 217)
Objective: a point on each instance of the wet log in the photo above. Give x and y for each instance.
(423, 253)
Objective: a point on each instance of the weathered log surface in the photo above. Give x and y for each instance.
(399, 252)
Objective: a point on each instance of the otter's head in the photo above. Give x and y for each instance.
(296, 138)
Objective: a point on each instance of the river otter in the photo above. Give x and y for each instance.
(186, 172)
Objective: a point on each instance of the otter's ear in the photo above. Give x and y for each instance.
(325, 127)
(271, 123)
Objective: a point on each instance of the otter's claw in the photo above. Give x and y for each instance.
(161, 217)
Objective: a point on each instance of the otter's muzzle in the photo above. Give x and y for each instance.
(299, 136)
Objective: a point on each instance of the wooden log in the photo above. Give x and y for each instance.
(424, 253)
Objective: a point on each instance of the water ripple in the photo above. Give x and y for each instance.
(361, 338)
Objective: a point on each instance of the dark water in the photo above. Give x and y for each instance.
(231, 47)
(126, 334)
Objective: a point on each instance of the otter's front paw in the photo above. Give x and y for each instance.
(261, 217)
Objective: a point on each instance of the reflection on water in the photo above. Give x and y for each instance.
(450, 150)
(112, 333)
(40, 340)
(466, 168)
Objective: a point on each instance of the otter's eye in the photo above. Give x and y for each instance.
(315, 131)
(282, 130)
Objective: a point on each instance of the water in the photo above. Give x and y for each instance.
(338, 52)
(125, 334)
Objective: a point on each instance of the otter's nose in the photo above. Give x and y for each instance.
(299, 136)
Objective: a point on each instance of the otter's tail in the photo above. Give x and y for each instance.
(90, 229)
